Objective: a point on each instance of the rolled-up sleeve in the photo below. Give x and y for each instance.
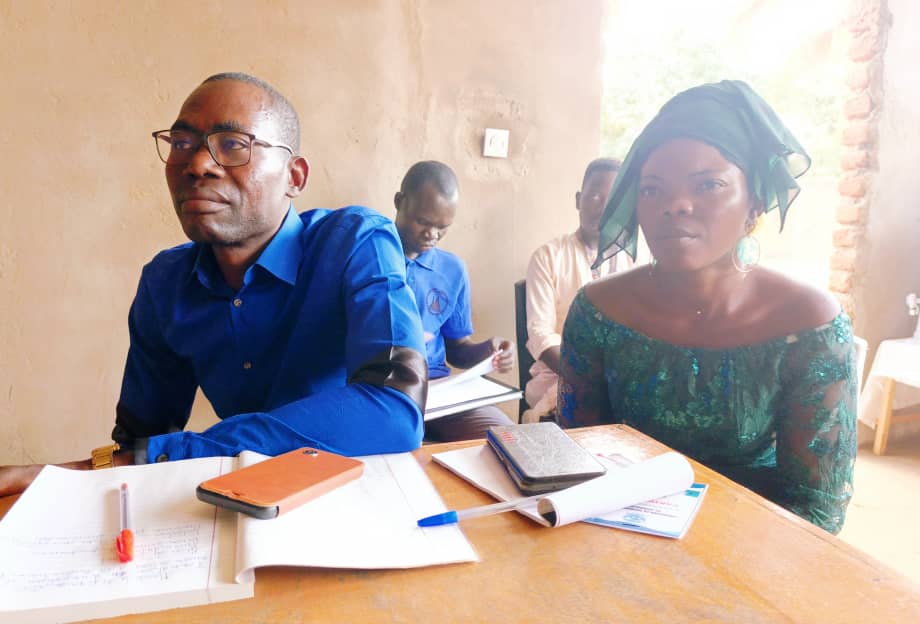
(541, 304)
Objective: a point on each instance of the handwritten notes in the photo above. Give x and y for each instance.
(57, 543)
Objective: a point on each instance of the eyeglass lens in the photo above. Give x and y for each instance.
(228, 149)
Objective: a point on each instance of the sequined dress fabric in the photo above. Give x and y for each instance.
(779, 417)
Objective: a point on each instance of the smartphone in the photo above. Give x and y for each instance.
(278, 484)
(541, 457)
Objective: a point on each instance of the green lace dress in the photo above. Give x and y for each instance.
(779, 417)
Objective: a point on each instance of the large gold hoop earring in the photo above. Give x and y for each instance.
(746, 254)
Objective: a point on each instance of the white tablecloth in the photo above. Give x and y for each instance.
(896, 359)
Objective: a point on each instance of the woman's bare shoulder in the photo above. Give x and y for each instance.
(798, 305)
(616, 296)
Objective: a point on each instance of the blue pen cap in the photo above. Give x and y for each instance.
(448, 517)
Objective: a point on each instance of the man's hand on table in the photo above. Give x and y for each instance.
(15, 479)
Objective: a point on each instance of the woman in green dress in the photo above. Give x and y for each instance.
(735, 365)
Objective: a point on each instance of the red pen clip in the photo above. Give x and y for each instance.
(124, 543)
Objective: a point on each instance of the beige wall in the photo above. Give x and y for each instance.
(893, 228)
(379, 85)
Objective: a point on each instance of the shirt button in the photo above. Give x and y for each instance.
(162, 457)
(247, 365)
(237, 302)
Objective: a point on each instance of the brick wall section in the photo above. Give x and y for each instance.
(867, 24)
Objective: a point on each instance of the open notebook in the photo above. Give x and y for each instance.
(58, 561)
(467, 390)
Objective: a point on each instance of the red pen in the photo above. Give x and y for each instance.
(124, 543)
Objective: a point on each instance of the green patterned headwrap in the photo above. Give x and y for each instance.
(731, 117)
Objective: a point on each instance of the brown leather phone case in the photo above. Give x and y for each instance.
(279, 484)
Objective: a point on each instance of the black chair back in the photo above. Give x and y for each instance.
(525, 360)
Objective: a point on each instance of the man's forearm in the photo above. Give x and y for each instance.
(551, 356)
(466, 354)
(358, 419)
(15, 479)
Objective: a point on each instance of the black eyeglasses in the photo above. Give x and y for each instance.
(228, 148)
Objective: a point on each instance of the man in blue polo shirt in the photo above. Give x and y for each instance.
(425, 207)
(299, 329)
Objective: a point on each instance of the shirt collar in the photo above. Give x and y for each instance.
(283, 254)
(425, 260)
(281, 257)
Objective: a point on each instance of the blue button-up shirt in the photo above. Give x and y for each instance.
(442, 292)
(326, 295)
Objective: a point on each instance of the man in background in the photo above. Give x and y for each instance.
(556, 272)
(425, 207)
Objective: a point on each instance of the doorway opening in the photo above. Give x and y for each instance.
(790, 52)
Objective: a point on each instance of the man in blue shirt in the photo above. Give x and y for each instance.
(425, 207)
(300, 330)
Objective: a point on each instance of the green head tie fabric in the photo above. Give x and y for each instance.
(731, 117)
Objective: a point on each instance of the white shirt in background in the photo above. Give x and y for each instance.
(556, 272)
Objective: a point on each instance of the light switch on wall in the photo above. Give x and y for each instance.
(495, 143)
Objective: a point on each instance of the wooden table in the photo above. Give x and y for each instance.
(743, 560)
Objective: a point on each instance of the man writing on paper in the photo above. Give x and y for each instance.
(557, 270)
(299, 329)
(425, 206)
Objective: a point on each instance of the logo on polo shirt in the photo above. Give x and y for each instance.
(436, 301)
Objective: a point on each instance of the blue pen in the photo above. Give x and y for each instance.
(452, 517)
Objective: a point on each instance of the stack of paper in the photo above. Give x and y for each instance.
(57, 543)
(465, 391)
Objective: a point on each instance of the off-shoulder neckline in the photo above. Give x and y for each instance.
(782, 339)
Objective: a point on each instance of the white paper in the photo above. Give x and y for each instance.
(482, 368)
(659, 476)
(621, 487)
(368, 523)
(57, 544)
(668, 516)
(471, 392)
(58, 561)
